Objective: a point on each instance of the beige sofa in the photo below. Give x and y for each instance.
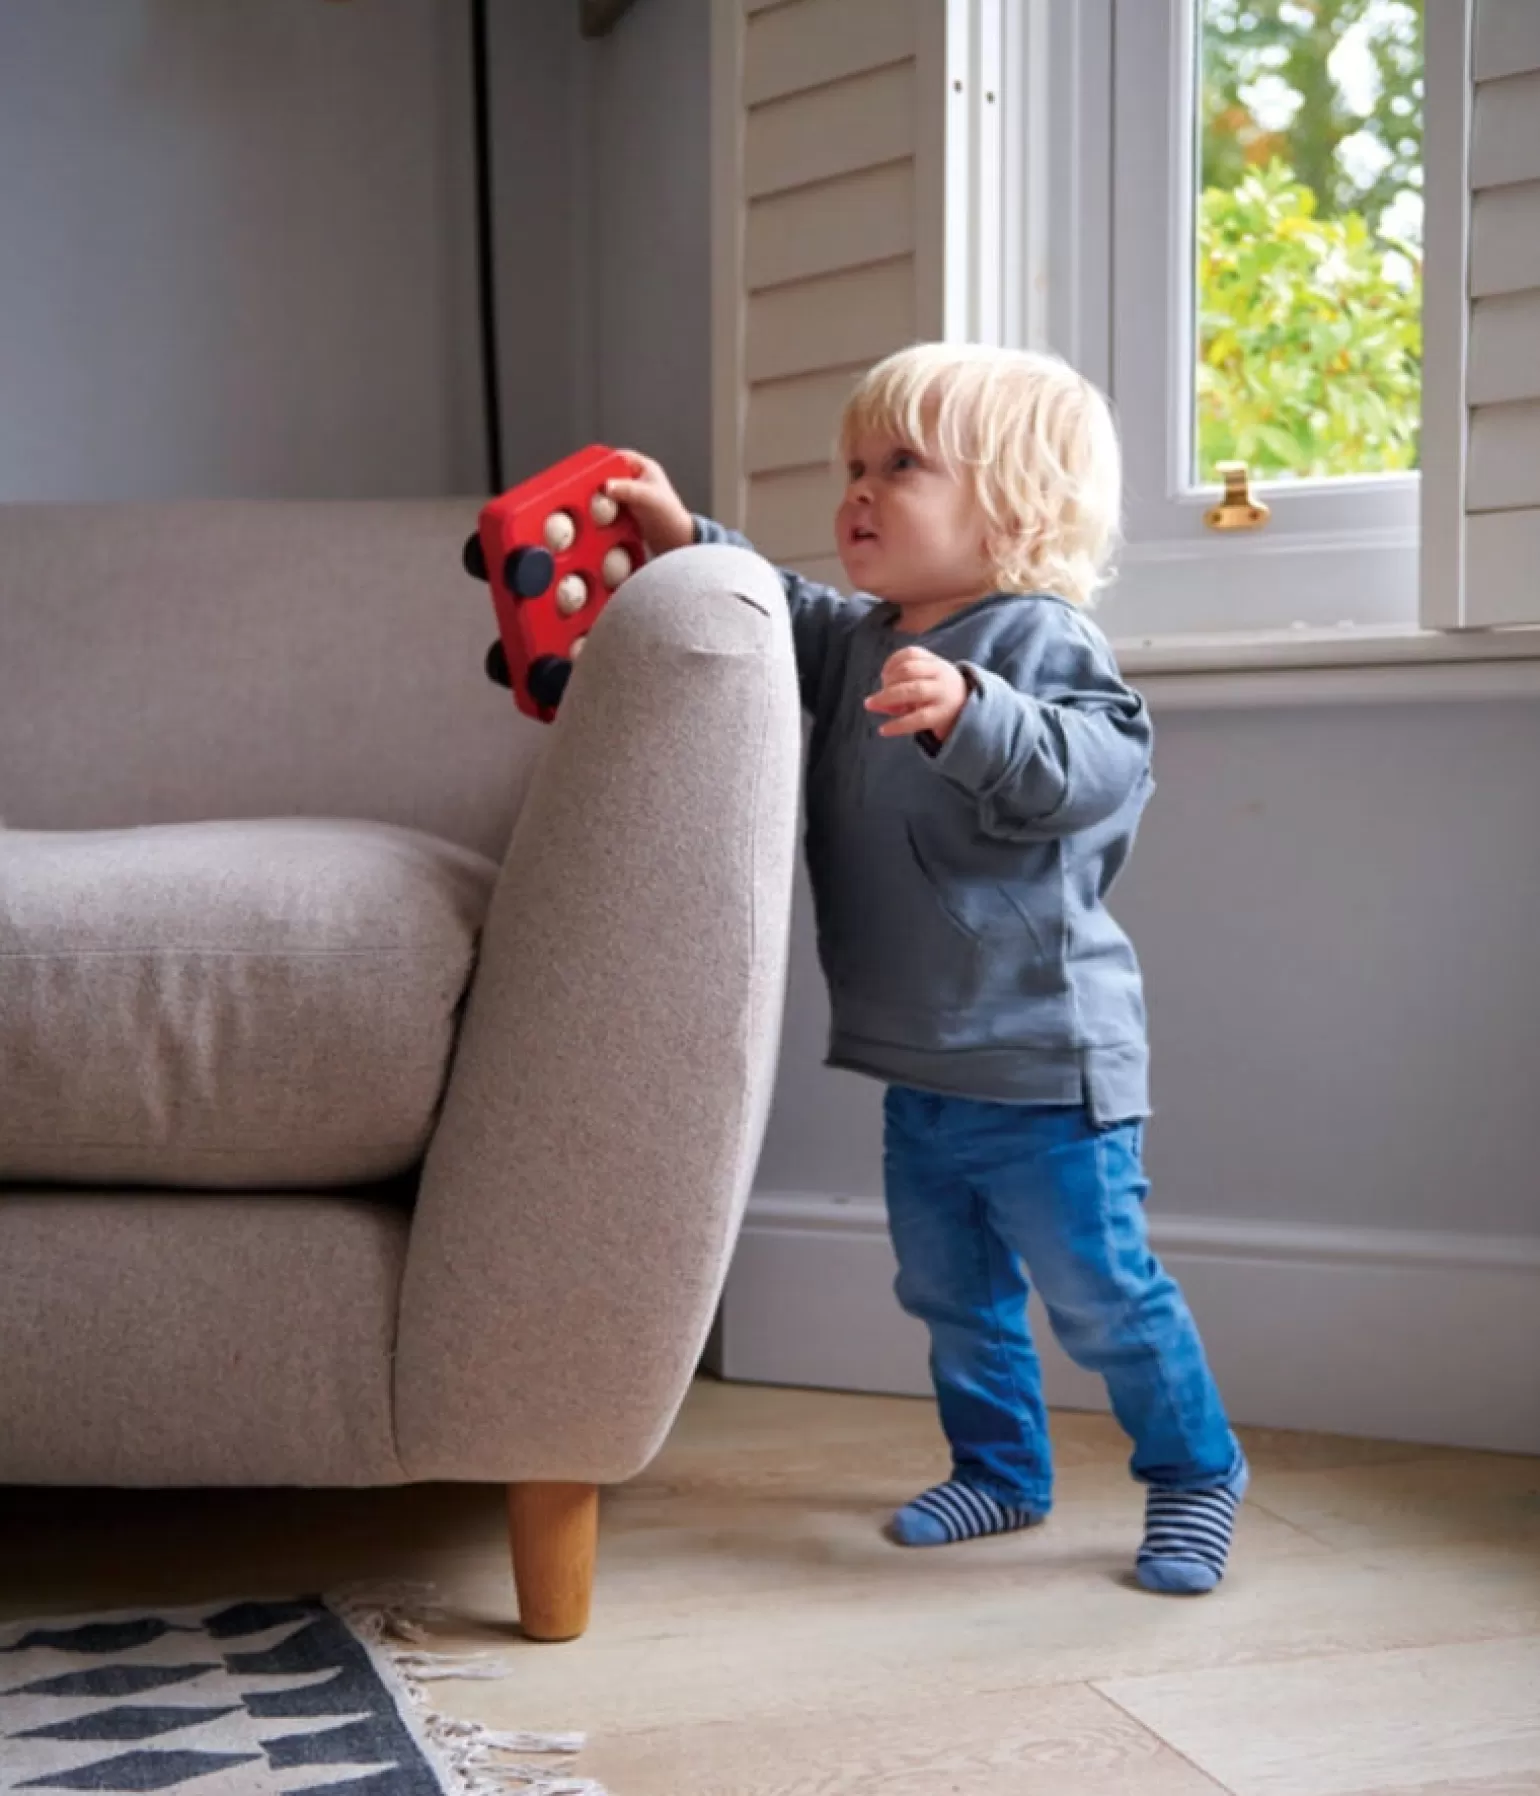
(381, 1074)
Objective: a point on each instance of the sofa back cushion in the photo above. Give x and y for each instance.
(249, 1005)
(161, 663)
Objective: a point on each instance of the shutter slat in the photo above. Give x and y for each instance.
(793, 423)
(1504, 352)
(792, 514)
(831, 322)
(1480, 500)
(1505, 240)
(829, 136)
(1502, 566)
(1505, 132)
(838, 224)
(1503, 459)
(832, 131)
(1507, 38)
(798, 47)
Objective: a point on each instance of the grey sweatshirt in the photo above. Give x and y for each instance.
(960, 889)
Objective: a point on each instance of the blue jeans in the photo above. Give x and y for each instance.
(981, 1196)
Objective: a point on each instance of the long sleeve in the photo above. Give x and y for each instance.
(1051, 743)
(821, 617)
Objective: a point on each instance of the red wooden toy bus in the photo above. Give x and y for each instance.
(553, 549)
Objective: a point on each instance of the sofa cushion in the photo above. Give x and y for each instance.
(246, 1005)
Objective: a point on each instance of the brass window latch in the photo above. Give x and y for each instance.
(1239, 509)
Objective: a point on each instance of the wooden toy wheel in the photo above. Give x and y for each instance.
(548, 681)
(528, 572)
(475, 557)
(497, 665)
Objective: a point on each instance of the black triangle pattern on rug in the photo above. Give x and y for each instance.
(115, 1680)
(142, 1771)
(244, 1619)
(283, 1691)
(98, 1636)
(125, 1724)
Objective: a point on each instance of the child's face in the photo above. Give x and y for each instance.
(909, 530)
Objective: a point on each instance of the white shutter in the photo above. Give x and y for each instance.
(827, 217)
(1481, 483)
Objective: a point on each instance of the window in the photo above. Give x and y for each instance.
(1217, 209)
(1307, 292)
(1264, 230)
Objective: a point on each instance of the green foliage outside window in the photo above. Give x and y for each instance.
(1309, 291)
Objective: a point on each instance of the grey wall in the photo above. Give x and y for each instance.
(539, 178)
(235, 249)
(238, 245)
(1336, 909)
(603, 195)
(649, 256)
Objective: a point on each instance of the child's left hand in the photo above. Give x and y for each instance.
(919, 691)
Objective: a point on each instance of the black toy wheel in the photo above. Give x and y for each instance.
(497, 665)
(528, 572)
(475, 557)
(548, 681)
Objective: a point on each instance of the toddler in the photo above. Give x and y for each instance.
(976, 771)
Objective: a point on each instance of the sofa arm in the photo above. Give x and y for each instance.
(584, 1186)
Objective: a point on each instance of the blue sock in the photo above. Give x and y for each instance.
(1187, 1537)
(956, 1511)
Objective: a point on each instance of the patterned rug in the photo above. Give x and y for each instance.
(253, 1699)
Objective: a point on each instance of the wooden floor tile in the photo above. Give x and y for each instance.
(1485, 1497)
(1524, 1784)
(1357, 1725)
(1064, 1742)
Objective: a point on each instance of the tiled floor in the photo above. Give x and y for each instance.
(754, 1634)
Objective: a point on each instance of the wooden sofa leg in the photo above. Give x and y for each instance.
(554, 1532)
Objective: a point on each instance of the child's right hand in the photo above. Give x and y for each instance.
(661, 515)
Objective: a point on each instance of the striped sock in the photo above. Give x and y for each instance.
(1187, 1537)
(956, 1511)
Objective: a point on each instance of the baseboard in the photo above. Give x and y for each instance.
(1416, 1336)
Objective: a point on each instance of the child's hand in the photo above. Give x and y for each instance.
(919, 692)
(661, 515)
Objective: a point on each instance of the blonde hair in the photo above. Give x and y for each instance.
(1034, 440)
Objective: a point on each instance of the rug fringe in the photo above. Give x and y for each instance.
(391, 1621)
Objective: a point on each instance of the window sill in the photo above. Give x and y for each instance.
(1243, 670)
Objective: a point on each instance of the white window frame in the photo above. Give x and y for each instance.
(1447, 29)
(1335, 553)
(1032, 248)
